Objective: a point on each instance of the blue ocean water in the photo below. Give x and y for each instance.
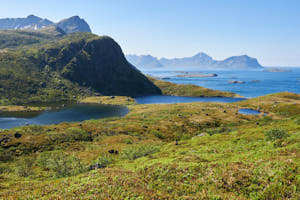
(257, 83)
(181, 99)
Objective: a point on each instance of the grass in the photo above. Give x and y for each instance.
(112, 100)
(15, 108)
(233, 160)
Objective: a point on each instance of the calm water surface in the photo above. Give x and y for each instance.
(257, 83)
(72, 113)
(248, 111)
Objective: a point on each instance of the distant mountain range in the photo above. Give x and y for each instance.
(199, 60)
(33, 23)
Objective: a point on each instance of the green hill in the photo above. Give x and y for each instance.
(17, 38)
(64, 68)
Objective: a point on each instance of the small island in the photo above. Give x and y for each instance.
(277, 70)
(196, 75)
(240, 82)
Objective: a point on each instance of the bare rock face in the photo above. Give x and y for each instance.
(74, 24)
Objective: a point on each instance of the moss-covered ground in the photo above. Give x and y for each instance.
(165, 151)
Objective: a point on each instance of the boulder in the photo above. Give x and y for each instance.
(18, 135)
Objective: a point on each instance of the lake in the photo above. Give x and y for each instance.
(257, 83)
(71, 113)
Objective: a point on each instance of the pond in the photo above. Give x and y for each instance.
(71, 113)
(182, 99)
(248, 111)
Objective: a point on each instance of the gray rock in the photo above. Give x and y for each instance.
(200, 135)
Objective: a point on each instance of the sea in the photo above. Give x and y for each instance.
(254, 82)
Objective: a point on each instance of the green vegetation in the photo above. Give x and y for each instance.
(137, 151)
(25, 167)
(112, 100)
(61, 164)
(19, 38)
(104, 160)
(218, 155)
(67, 68)
(275, 134)
(166, 151)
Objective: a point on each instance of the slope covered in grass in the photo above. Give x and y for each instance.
(76, 65)
(220, 154)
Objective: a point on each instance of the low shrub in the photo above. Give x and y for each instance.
(128, 141)
(158, 134)
(297, 121)
(4, 169)
(275, 134)
(70, 135)
(138, 151)
(77, 134)
(6, 156)
(60, 163)
(104, 160)
(25, 167)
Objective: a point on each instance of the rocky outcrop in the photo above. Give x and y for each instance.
(74, 24)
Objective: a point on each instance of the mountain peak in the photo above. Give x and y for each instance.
(34, 23)
(198, 60)
(74, 24)
(33, 17)
(75, 17)
(201, 54)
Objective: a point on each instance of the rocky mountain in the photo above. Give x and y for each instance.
(74, 24)
(67, 68)
(29, 23)
(239, 62)
(144, 60)
(33, 23)
(201, 60)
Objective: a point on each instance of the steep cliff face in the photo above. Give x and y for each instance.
(76, 65)
(100, 63)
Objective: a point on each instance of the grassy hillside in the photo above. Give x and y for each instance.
(19, 38)
(68, 68)
(220, 154)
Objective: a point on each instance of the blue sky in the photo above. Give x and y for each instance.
(266, 29)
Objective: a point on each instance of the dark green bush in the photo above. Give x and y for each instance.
(275, 134)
